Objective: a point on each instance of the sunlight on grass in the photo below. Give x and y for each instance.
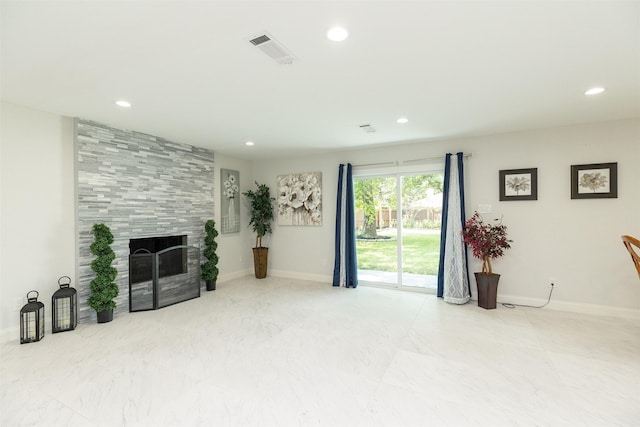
(420, 253)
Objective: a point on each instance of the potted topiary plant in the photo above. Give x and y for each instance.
(487, 242)
(209, 271)
(261, 214)
(103, 287)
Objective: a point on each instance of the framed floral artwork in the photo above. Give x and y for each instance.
(300, 199)
(594, 181)
(229, 201)
(519, 184)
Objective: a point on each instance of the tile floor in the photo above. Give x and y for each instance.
(283, 352)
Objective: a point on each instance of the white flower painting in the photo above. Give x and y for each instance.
(300, 199)
(230, 207)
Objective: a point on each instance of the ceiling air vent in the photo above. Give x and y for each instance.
(259, 40)
(272, 48)
(367, 128)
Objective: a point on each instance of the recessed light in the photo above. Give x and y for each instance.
(123, 103)
(594, 91)
(402, 120)
(249, 143)
(337, 34)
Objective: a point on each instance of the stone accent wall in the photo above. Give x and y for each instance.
(139, 186)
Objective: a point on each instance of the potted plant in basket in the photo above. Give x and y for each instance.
(261, 213)
(487, 242)
(103, 287)
(208, 270)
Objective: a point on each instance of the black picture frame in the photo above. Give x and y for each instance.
(519, 184)
(594, 181)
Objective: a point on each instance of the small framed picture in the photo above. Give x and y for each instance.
(519, 184)
(595, 181)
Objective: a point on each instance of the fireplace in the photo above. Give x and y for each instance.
(174, 263)
(163, 271)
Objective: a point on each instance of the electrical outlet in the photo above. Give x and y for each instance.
(484, 208)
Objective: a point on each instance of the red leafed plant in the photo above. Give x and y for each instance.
(487, 241)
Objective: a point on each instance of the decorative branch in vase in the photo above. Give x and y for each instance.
(487, 242)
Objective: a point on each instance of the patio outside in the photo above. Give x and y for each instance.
(377, 230)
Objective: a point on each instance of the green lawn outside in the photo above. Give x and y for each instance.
(420, 255)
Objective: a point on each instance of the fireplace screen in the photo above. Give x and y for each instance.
(163, 278)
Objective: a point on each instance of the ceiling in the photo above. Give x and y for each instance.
(454, 69)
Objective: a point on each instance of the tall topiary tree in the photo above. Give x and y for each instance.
(103, 288)
(261, 215)
(261, 211)
(209, 271)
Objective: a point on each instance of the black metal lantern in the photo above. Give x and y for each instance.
(32, 320)
(64, 307)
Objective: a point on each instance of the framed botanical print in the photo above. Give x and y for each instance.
(229, 201)
(594, 181)
(519, 184)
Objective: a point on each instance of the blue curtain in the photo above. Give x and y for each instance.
(453, 273)
(345, 267)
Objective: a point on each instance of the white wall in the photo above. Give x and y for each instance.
(303, 251)
(37, 213)
(37, 210)
(576, 242)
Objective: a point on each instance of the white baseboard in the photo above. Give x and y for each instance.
(301, 276)
(12, 334)
(591, 309)
(573, 307)
(234, 275)
(8, 335)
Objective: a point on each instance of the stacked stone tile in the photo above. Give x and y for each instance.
(140, 186)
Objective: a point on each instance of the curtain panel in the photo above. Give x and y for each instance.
(345, 269)
(453, 272)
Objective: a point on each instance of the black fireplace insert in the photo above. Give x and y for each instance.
(173, 263)
(162, 271)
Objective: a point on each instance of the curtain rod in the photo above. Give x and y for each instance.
(408, 162)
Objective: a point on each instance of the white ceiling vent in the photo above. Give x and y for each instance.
(367, 128)
(274, 49)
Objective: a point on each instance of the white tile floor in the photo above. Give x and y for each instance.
(281, 352)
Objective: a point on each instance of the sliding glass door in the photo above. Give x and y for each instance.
(398, 229)
(376, 229)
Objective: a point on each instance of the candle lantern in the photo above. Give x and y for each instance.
(32, 320)
(64, 307)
